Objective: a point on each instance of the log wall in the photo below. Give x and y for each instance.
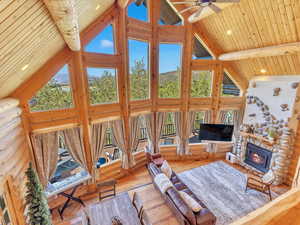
(14, 154)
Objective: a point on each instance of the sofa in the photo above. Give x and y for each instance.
(181, 210)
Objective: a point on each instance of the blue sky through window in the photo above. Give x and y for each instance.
(103, 42)
(137, 12)
(169, 57)
(138, 50)
(99, 72)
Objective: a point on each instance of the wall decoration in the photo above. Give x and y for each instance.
(284, 107)
(295, 85)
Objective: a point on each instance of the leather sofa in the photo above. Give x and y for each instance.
(181, 210)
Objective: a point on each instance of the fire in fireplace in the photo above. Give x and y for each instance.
(258, 157)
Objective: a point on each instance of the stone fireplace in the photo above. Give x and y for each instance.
(258, 157)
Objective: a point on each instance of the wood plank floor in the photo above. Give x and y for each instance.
(140, 181)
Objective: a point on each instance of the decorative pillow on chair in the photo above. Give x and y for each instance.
(269, 177)
(166, 169)
(162, 182)
(192, 203)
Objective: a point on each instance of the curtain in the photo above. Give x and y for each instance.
(191, 121)
(222, 116)
(74, 143)
(207, 116)
(237, 122)
(46, 152)
(160, 119)
(180, 134)
(135, 131)
(98, 141)
(149, 122)
(119, 138)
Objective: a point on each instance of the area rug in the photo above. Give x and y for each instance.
(222, 189)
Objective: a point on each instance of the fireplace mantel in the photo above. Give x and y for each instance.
(258, 138)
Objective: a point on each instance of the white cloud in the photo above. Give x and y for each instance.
(107, 44)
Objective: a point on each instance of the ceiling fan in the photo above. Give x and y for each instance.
(201, 4)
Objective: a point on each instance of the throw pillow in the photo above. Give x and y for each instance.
(166, 169)
(192, 203)
(162, 182)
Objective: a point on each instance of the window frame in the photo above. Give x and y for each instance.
(181, 69)
(149, 68)
(116, 68)
(211, 83)
(72, 91)
(114, 33)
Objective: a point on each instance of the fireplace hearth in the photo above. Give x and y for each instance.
(258, 157)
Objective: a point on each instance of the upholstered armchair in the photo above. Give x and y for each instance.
(260, 182)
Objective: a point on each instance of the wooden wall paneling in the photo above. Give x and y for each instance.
(216, 91)
(101, 60)
(170, 34)
(123, 75)
(232, 102)
(138, 29)
(82, 105)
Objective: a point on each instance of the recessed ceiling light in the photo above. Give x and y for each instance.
(25, 67)
(97, 7)
(229, 32)
(263, 70)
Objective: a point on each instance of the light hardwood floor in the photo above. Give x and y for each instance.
(140, 181)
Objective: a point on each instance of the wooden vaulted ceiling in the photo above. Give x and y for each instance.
(29, 36)
(256, 24)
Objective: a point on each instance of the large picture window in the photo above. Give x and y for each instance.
(102, 85)
(168, 16)
(229, 88)
(168, 133)
(103, 42)
(170, 60)
(201, 84)
(139, 69)
(56, 94)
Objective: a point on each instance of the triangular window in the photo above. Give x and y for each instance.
(168, 16)
(103, 42)
(56, 94)
(229, 88)
(138, 10)
(199, 50)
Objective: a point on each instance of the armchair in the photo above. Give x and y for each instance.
(260, 182)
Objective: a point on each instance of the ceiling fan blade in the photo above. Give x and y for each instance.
(214, 8)
(178, 3)
(187, 9)
(196, 16)
(225, 1)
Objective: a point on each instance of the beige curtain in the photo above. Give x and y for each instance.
(191, 120)
(160, 119)
(237, 122)
(135, 131)
(150, 127)
(98, 141)
(207, 116)
(74, 142)
(119, 138)
(222, 116)
(45, 148)
(180, 133)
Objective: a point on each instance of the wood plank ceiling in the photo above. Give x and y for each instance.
(29, 37)
(256, 24)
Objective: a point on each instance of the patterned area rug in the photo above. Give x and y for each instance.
(222, 189)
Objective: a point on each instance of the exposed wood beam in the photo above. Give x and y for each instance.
(65, 16)
(276, 50)
(123, 3)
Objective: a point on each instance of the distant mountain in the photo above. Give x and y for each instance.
(168, 77)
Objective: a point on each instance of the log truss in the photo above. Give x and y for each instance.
(84, 114)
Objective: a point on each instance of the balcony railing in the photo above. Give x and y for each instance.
(168, 130)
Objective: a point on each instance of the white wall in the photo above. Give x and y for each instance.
(264, 91)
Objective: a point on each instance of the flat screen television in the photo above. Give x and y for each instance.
(215, 132)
